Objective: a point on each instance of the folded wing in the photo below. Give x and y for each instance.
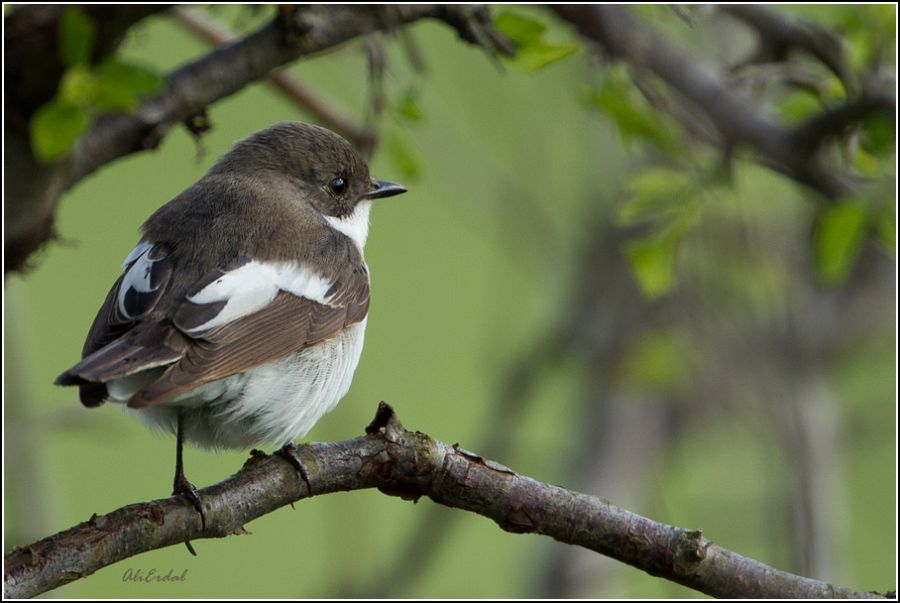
(234, 319)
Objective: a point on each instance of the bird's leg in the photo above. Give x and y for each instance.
(289, 453)
(181, 484)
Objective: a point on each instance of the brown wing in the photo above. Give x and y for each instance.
(118, 342)
(287, 325)
(148, 322)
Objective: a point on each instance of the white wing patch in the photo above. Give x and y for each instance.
(251, 287)
(356, 225)
(138, 275)
(142, 248)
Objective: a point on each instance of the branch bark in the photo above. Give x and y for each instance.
(410, 465)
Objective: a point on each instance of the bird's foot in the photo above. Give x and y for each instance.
(187, 489)
(289, 453)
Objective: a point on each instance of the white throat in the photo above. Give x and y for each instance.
(356, 225)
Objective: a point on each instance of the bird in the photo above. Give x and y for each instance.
(239, 317)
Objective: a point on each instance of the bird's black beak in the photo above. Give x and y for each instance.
(383, 188)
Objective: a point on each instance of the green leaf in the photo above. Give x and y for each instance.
(77, 34)
(533, 52)
(138, 79)
(404, 159)
(798, 107)
(832, 90)
(121, 85)
(408, 108)
(653, 258)
(866, 164)
(838, 239)
(540, 54)
(54, 129)
(653, 262)
(652, 193)
(887, 226)
(634, 117)
(520, 29)
(77, 87)
(879, 135)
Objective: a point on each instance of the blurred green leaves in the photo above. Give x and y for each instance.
(398, 146)
(54, 129)
(798, 106)
(654, 193)
(533, 50)
(634, 116)
(404, 157)
(77, 34)
(408, 107)
(652, 260)
(669, 201)
(84, 90)
(879, 135)
(838, 239)
(121, 85)
(519, 28)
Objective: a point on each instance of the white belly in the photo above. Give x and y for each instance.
(272, 404)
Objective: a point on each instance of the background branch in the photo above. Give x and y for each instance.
(738, 121)
(409, 465)
(198, 23)
(778, 34)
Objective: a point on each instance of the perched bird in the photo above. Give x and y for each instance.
(239, 317)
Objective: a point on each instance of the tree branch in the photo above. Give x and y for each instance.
(214, 33)
(778, 34)
(409, 465)
(738, 121)
(299, 31)
(833, 122)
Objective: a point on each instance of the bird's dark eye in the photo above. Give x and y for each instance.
(338, 186)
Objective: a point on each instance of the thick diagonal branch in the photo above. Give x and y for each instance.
(409, 465)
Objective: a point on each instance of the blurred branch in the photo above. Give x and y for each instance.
(205, 27)
(777, 34)
(298, 31)
(737, 120)
(410, 465)
(832, 122)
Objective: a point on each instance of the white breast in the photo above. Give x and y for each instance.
(275, 403)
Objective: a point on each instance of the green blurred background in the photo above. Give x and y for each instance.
(749, 400)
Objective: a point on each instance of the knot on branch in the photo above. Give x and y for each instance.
(395, 456)
(690, 550)
(295, 23)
